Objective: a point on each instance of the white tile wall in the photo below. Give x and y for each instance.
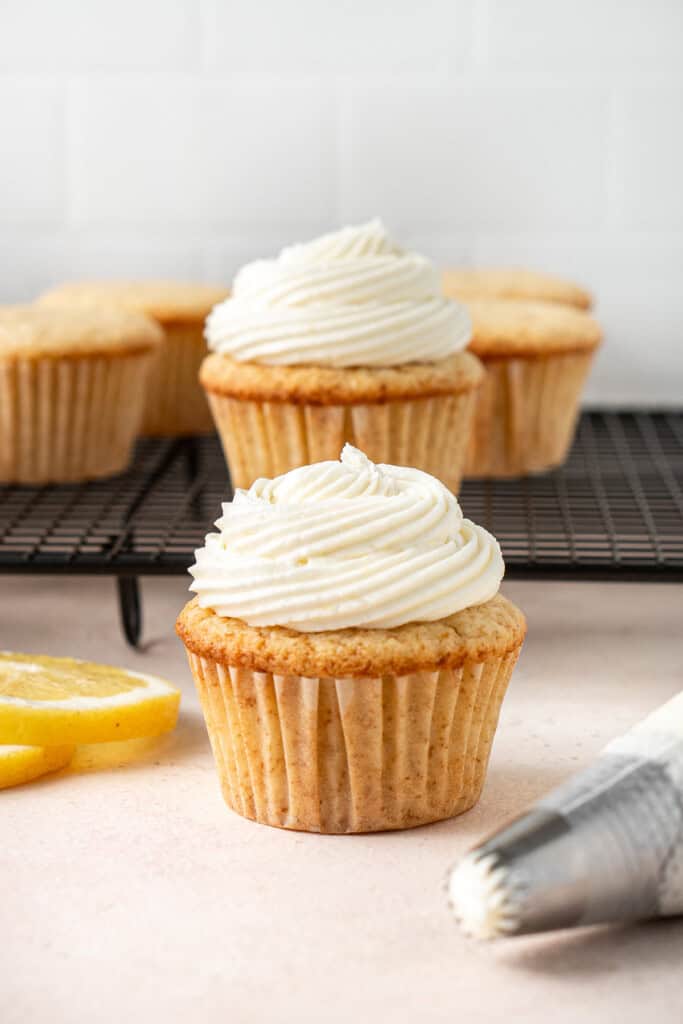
(477, 158)
(30, 266)
(32, 154)
(649, 152)
(90, 35)
(346, 37)
(182, 137)
(586, 35)
(195, 154)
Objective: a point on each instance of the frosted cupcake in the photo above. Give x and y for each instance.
(537, 357)
(347, 338)
(525, 285)
(72, 391)
(350, 648)
(174, 403)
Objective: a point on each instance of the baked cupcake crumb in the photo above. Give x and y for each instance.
(503, 327)
(465, 284)
(491, 629)
(327, 385)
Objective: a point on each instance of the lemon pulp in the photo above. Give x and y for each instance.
(46, 701)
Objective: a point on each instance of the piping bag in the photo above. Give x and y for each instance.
(607, 845)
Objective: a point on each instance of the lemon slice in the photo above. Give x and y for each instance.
(21, 764)
(48, 702)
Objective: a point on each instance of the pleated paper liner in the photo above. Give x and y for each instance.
(526, 412)
(69, 419)
(175, 401)
(352, 754)
(265, 439)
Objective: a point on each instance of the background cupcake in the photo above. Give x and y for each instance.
(347, 338)
(537, 357)
(350, 649)
(174, 402)
(72, 391)
(465, 284)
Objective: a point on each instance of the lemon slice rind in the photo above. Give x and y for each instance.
(19, 764)
(145, 710)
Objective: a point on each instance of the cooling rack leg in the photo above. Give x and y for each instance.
(192, 457)
(192, 464)
(129, 608)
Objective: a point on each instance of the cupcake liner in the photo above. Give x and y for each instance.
(352, 754)
(526, 411)
(175, 402)
(69, 419)
(265, 439)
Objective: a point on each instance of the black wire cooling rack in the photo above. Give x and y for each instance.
(614, 511)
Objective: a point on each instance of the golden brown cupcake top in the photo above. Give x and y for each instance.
(31, 332)
(494, 628)
(503, 327)
(165, 301)
(328, 385)
(514, 284)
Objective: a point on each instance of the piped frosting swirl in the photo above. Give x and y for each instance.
(350, 298)
(345, 544)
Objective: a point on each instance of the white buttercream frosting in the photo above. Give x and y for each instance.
(481, 898)
(343, 544)
(350, 298)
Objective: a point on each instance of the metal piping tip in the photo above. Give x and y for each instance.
(480, 897)
(607, 846)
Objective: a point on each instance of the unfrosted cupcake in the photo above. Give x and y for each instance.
(347, 338)
(350, 648)
(72, 391)
(537, 357)
(174, 403)
(465, 284)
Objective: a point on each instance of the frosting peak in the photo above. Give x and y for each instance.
(358, 242)
(349, 298)
(345, 544)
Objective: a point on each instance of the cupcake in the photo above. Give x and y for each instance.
(537, 357)
(72, 391)
(174, 404)
(531, 285)
(344, 339)
(350, 648)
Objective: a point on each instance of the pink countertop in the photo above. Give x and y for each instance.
(130, 893)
